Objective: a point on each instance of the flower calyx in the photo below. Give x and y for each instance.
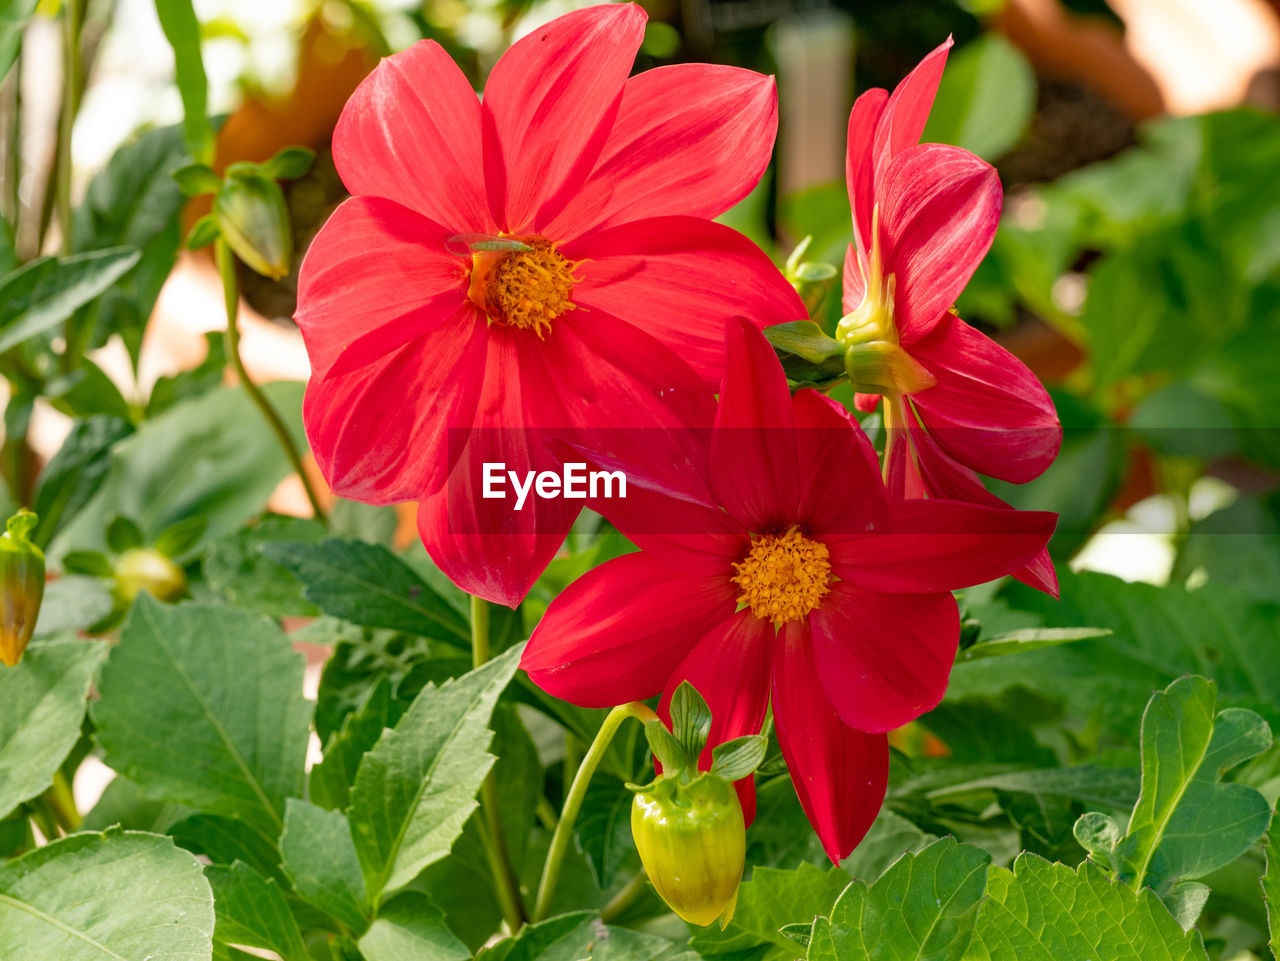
(22, 584)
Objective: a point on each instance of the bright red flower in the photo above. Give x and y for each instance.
(805, 585)
(956, 403)
(543, 259)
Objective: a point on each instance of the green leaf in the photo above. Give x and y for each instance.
(74, 603)
(738, 758)
(771, 899)
(289, 163)
(1029, 639)
(87, 391)
(203, 232)
(890, 837)
(186, 384)
(123, 896)
(603, 828)
(123, 534)
(75, 472)
(133, 201)
(1271, 886)
(331, 779)
(44, 700)
(235, 567)
(196, 179)
(182, 30)
(1185, 824)
(251, 910)
(415, 790)
(212, 455)
(1047, 912)
(368, 585)
(226, 841)
(921, 909)
(985, 100)
(179, 539)
(13, 21)
(321, 863)
(202, 705)
(572, 937)
(410, 928)
(44, 293)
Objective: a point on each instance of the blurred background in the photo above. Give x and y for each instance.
(1137, 269)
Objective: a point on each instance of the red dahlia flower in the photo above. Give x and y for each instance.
(956, 402)
(805, 585)
(543, 259)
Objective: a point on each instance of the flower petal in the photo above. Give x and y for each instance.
(884, 659)
(753, 444)
(549, 105)
(379, 433)
(487, 545)
(938, 545)
(687, 536)
(730, 668)
(411, 133)
(939, 209)
(632, 610)
(691, 139)
(371, 264)
(840, 774)
(987, 410)
(854, 284)
(859, 168)
(681, 279)
(907, 111)
(841, 490)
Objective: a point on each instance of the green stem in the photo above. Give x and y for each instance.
(626, 897)
(62, 802)
(495, 842)
(231, 292)
(573, 800)
(67, 119)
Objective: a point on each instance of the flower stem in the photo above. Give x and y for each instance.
(573, 800)
(495, 842)
(67, 119)
(231, 292)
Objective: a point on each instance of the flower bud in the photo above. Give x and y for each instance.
(146, 569)
(254, 219)
(692, 841)
(22, 581)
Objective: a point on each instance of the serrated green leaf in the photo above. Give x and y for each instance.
(44, 293)
(321, 863)
(1186, 901)
(417, 787)
(235, 567)
(251, 910)
(44, 700)
(1184, 824)
(226, 840)
(368, 585)
(921, 909)
(203, 705)
(123, 896)
(572, 937)
(1047, 912)
(410, 928)
(331, 779)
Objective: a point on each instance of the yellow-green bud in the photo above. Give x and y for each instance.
(254, 219)
(22, 581)
(693, 843)
(146, 569)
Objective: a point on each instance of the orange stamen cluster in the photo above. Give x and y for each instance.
(527, 288)
(784, 576)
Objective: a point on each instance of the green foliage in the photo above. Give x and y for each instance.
(182, 30)
(44, 293)
(175, 716)
(321, 863)
(252, 911)
(119, 895)
(44, 700)
(985, 100)
(411, 928)
(1271, 886)
(1045, 912)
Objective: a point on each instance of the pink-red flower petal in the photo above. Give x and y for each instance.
(617, 633)
(905, 114)
(690, 139)
(549, 105)
(883, 659)
(682, 279)
(841, 491)
(840, 774)
(988, 410)
(411, 133)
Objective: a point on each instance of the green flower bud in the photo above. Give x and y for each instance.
(22, 580)
(693, 843)
(146, 569)
(252, 216)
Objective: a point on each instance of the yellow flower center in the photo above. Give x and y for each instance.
(525, 284)
(784, 576)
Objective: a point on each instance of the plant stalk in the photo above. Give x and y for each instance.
(625, 897)
(573, 800)
(507, 886)
(231, 292)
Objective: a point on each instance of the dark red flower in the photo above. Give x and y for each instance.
(956, 403)
(544, 259)
(803, 585)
